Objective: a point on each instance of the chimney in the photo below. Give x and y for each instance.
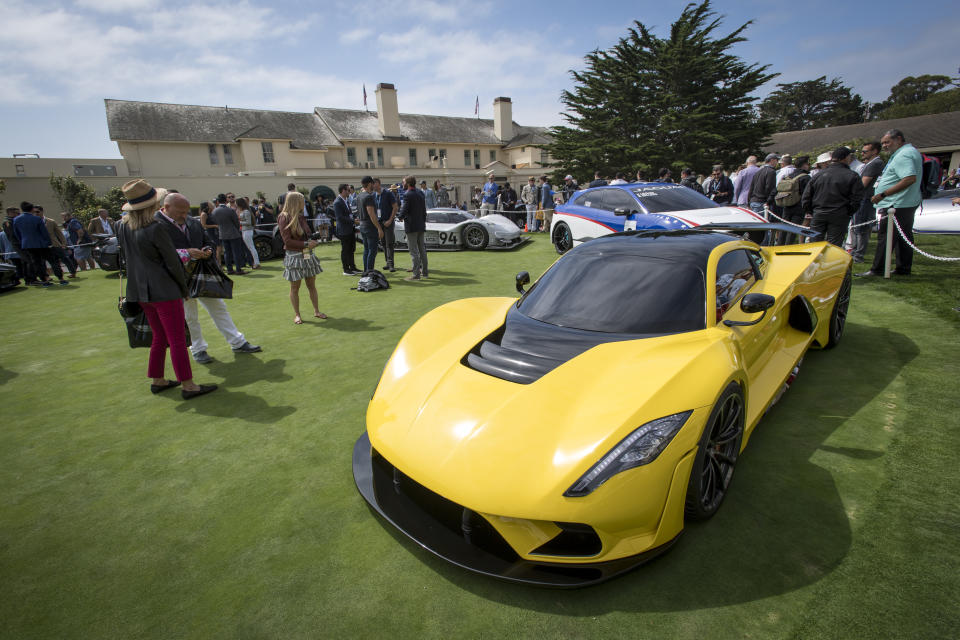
(503, 119)
(388, 116)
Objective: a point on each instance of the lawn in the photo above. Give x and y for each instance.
(234, 515)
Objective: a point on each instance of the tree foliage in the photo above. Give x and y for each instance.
(917, 96)
(80, 199)
(651, 102)
(812, 104)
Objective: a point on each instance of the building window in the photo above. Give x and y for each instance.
(370, 156)
(431, 153)
(476, 158)
(267, 152)
(443, 153)
(412, 153)
(379, 156)
(523, 149)
(214, 158)
(227, 154)
(493, 155)
(544, 158)
(352, 156)
(466, 158)
(21, 171)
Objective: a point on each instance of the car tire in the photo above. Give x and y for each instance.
(561, 237)
(474, 237)
(838, 317)
(264, 248)
(716, 456)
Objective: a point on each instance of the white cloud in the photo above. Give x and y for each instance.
(355, 35)
(116, 6)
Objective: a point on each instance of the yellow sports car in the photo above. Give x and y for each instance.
(563, 438)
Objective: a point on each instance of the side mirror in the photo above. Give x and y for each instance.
(620, 211)
(753, 303)
(523, 278)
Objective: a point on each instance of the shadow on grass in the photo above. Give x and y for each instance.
(247, 369)
(783, 525)
(342, 324)
(6, 375)
(224, 403)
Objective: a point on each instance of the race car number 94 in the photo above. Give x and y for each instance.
(447, 238)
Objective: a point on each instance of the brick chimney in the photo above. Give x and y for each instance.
(388, 115)
(503, 119)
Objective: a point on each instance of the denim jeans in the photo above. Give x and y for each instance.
(370, 241)
(757, 208)
(531, 217)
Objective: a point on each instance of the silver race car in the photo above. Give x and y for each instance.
(455, 229)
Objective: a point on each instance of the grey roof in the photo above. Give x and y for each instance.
(353, 124)
(129, 120)
(527, 136)
(923, 132)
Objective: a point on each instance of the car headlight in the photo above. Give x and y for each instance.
(639, 448)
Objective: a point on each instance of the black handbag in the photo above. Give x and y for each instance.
(139, 333)
(205, 279)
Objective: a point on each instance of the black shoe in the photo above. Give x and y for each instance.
(204, 388)
(157, 388)
(357, 272)
(202, 357)
(391, 269)
(867, 274)
(897, 272)
(64, 283)
(246, 347)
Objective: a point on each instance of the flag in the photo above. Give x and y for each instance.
(364, 95)
(476, 108)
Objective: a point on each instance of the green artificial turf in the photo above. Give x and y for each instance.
(234, 515)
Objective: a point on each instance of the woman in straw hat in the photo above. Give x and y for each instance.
(299, 263)
(155, 279)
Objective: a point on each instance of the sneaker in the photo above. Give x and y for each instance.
(46, 284)
(349, 273)
(246, 347)
(63, 283)
(867, 274)
(202, 357)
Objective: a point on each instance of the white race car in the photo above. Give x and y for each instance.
(938, 215)
(456, 229)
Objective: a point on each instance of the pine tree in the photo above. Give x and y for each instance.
(812, 104)
(651, 102)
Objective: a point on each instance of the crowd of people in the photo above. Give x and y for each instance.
(162, 242)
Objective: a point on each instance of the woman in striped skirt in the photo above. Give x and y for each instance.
(299, 263)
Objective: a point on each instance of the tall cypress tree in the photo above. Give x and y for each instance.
(652, 102)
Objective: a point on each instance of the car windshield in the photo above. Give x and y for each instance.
(671, 197)
(619, 293)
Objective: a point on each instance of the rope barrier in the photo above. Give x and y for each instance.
(914, 247)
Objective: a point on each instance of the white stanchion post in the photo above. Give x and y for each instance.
(889, 250)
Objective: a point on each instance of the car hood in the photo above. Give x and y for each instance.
(714, 215)
(475, 438)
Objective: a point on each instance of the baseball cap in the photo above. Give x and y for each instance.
(771, 156)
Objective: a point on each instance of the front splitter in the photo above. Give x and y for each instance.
(385, 497)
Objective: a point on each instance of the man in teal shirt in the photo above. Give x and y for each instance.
(897, 189)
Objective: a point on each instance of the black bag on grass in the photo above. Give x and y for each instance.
(372, 280)
(205, 279)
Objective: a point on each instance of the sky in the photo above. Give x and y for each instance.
(60, 60)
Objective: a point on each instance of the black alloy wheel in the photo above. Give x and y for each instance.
(838, 317)
(264, 248)
(474, 237)
(716, 456)
(561, 238)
